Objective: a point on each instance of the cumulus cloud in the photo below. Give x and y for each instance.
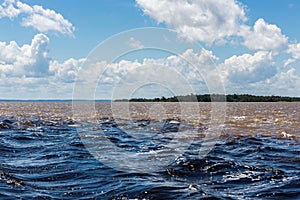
(285, 83)
(248, 68)
(27, 60)
(204, 20)
(7, 9)
(185, 71)
(225, 22)
(214, 21)
(294, 50)
(153, 76)
(189, 63)
(67, 71)
(264, 36)
(28, 70)
(43, 20)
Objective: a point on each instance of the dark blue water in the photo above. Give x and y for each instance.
(43, 159)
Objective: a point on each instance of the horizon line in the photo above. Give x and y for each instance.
(111, 100)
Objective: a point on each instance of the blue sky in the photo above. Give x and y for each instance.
(44, 44)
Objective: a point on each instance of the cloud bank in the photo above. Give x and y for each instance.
(268, 66)
(28, 71)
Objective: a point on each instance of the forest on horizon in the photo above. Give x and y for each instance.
(216, 98)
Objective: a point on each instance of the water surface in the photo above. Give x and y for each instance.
(43, 155)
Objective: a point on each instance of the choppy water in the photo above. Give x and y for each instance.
(43, 156)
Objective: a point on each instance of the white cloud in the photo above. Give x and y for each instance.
(285, 83)
(189, 64)
(185, 72)
(225, 22)
(248, 68)
(294, 50)
(7, 9)
(248, 73)
(204, 20)
(134, 43)
(264, 36)
(214, 21)
(34, 88)
(28, 72)
(43, 20)
(67, 71)
(27, 60)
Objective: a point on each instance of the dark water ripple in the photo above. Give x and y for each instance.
(47, 160)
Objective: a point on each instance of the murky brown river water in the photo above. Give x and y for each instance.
(282, 119)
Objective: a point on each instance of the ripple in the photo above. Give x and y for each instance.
(44, 157)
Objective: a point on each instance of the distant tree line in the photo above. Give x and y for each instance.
(217, 98)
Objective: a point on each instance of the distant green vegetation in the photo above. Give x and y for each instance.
(217, 98)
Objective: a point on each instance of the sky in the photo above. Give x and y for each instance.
(226, 46)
